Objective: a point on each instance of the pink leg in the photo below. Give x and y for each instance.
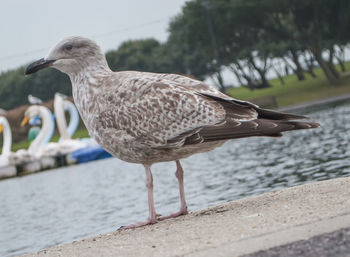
(152, 212)
(183, 209)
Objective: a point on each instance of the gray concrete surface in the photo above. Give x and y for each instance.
(334, 244)
(233, 229)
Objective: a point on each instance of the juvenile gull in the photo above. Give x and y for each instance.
(146, 118)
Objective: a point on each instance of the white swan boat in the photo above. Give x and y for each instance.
(6, 169)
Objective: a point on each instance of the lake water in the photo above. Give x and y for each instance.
(71, 203)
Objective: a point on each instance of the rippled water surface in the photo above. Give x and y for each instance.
(66, 204)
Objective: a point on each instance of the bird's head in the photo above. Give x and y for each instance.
(71, 55)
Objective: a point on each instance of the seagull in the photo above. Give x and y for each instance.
(146, 118)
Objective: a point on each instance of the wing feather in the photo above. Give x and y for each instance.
(167, 114)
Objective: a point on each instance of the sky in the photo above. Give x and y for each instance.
(29, 28)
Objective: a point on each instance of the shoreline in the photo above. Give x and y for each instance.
(236, 228)
(315, 103)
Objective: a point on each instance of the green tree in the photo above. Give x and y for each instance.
(135, 55)
(316, 25)
(191, 39)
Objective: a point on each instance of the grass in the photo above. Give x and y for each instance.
(293, 92)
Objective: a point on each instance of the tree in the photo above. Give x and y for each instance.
(139, 55)
(191, 38)
(316, 25)
(241, 43)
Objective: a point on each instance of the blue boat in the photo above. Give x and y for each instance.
(87, 154)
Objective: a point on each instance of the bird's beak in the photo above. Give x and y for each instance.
(24, 121)
(38, 65)
(1, 128)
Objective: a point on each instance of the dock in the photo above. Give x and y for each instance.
(275, 222)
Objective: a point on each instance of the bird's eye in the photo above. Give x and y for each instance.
(68, 47)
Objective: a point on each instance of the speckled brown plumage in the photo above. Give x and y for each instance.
(147, 117)
(144, 117)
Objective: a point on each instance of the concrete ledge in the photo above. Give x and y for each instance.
(232, 229)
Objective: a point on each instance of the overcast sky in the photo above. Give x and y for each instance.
(28, 28)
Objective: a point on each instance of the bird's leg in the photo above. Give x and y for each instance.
(152, 212)
(149, 184)
(180, 177)
(183, 208)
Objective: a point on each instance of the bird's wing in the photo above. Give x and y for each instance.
(169, 111)
(267, 122)
(166, 115)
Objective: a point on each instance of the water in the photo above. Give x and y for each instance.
(67, 204)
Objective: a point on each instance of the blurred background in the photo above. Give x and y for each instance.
(276, 53)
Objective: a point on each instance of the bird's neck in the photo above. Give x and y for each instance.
(90, 67)
(89, 76)
(86, 86)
